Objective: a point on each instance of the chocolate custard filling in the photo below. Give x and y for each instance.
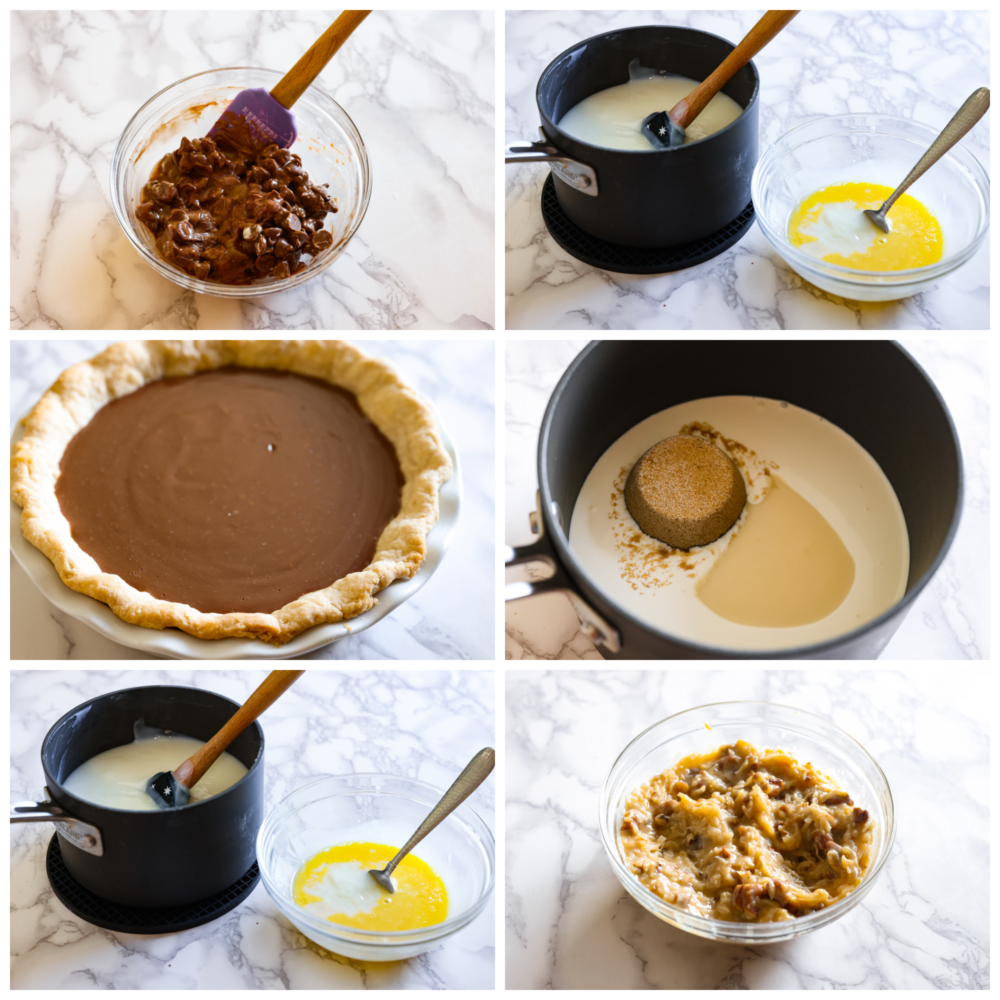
(232, 490)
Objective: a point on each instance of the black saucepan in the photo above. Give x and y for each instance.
(164, 857)
(656, 197)
(873, 390)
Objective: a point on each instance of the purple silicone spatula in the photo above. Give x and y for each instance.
(258, 118)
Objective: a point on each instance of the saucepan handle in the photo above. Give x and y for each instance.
(577, 175)
(538, 570)
(86, 836)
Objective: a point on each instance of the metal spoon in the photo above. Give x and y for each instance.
(465, 784)
(966, 116)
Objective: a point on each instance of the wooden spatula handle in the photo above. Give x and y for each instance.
(688, 108)
(274, 686)
(294, 83)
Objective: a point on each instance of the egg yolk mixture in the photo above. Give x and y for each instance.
(335, 885)
(831, 226)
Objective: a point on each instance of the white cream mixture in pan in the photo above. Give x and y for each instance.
(118, 777)
(839, 512)
(613, 118)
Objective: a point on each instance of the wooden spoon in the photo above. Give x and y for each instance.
(256, 118)
(666, 131)
(172, 789)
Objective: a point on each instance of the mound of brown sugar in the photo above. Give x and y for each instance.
(685, 491)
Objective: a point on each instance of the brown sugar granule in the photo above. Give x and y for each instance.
(685, 492)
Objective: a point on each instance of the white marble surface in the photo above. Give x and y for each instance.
(920, 65)
(570, 924)
(418, 85)
(451, 617)
(424, 724)
(950, 620)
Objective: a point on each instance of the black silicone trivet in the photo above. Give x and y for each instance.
(635, 260)
(134, 919)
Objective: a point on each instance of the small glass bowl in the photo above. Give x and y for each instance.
(806, 737)
(328, 142)
(880, 149)
(385, 809)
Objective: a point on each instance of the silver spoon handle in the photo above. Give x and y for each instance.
(967, 115)
(464, 785)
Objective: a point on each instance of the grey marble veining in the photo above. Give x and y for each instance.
(950, 620)
(423, 724)
(451, 617)
(418, 85)
(916, 64)
(924, 925)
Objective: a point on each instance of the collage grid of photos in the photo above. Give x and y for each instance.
(714, 389)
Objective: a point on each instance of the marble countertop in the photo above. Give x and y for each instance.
(424, 724)
(571, 925)
(949, 620)
(920, 65)
(452, 617)
(420, 87)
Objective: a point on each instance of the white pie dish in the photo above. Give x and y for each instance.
(171, 643)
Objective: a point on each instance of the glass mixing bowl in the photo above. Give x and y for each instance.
(385, 809)
(806, 737)
(880, 149)
(330, 146)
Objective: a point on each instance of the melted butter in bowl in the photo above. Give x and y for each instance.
(362, 815)
(820, 548)
(335, 885)
(831, 225)
(871, 151)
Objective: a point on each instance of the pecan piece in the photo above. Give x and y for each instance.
(826, 848)
(745, 897)
(838, 799)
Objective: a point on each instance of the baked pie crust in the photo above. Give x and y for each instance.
(394, 408)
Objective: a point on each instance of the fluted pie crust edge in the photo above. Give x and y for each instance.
(392, 406)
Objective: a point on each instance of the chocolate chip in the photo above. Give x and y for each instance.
(322, 240)
(163, 191)
(222, 207)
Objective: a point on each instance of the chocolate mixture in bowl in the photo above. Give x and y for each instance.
(223, 211)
